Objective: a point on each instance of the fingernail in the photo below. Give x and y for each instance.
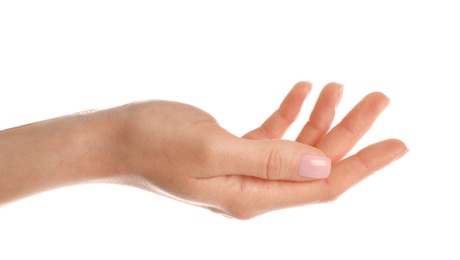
(314, 166)
(401, 155)
(387, 101)
(339, 95)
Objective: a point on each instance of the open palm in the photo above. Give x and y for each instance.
(336, 143)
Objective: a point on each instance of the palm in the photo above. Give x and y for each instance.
(236, 176)
(336, 143)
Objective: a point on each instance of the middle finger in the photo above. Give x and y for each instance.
(343, 137)
(322, 115)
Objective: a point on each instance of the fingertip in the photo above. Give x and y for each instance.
(401, 154)
(303, 85)
(304, 82)
(384, 97)
(400, 147)
(397, 142)
(384, 152)
(379, 95)
(334, 83)
(332, 93)
(299, 91)
(339, 94)
(378, 100)
(334, 86)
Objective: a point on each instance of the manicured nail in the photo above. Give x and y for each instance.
(314, 166)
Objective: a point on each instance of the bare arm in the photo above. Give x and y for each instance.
(181, 152)
(55, 153)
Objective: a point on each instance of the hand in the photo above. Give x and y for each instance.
(181, 152)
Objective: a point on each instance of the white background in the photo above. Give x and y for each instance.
(237, 60)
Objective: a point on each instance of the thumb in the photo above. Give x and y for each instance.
(275, 160)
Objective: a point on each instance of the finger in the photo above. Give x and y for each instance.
(357, 167)
(322, 115)
(277, 124)
(343, 137)
(270, 160)
(254, 196)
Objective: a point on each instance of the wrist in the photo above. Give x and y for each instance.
(98, 140)
(56, 153)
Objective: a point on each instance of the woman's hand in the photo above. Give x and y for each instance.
(181, 152)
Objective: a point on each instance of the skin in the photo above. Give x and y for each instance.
(181, 152)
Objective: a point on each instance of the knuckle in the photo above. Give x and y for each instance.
(364, 163)
(352, 130)
(330, 193)
(274, 165)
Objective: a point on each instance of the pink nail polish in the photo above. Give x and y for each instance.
(314, 166)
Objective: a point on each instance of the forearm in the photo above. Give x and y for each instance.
(181, 152)
(55, 153)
